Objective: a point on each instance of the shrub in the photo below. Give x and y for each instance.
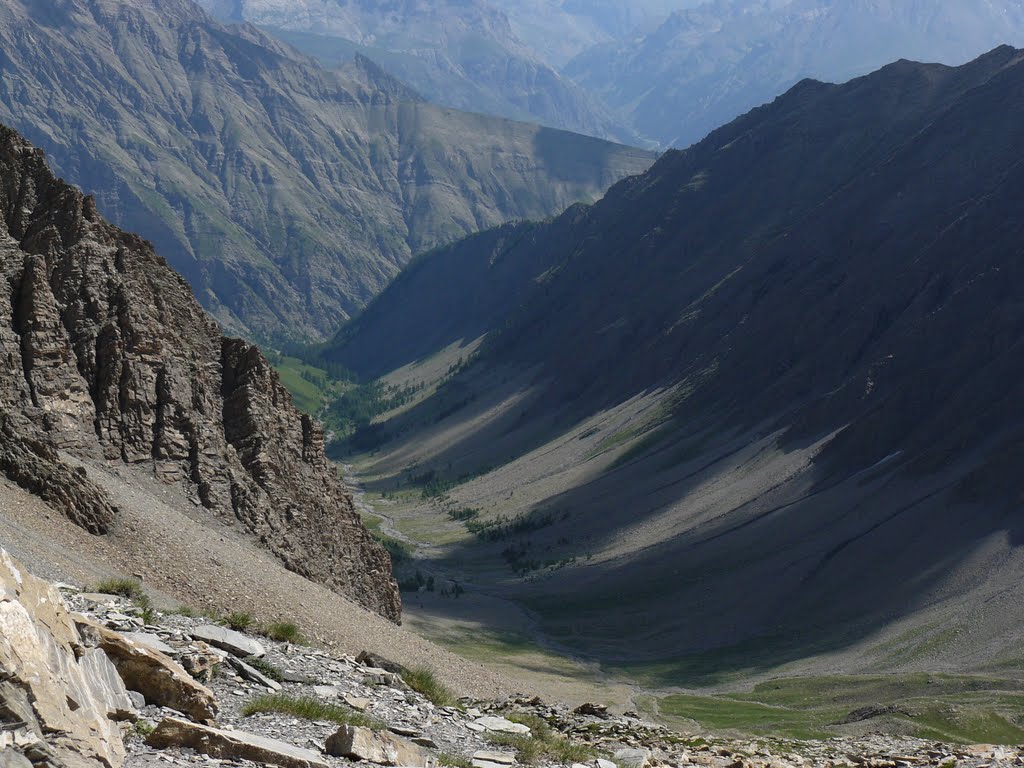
(309, 708)
(130, 588)
(423, 681)
(454, 761)
(285, 632)
(238, 620)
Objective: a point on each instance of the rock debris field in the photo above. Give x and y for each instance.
(191, 692)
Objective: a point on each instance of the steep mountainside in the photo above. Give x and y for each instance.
(287, 195)
(763, 397)
(108, 358)
(460, 53)
(703, 67)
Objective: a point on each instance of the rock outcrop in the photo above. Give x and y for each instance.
(108, 356)
(57, 698)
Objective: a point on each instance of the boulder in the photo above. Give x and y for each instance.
(52, 687)
(231, 745)
(227, 639)
(160, 679)
(357, 743)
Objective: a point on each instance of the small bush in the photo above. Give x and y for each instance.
(239, 621)
(528, 750)
(130, 588)
(423, 680)
(454, 761)
(285, 632)
(309, 708)
(144, 727)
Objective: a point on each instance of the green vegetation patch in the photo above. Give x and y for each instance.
(960, 709)
(309, 708)
(425, 682)
(285, 632)
(542, 743)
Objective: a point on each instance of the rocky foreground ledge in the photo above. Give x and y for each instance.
(94, 681)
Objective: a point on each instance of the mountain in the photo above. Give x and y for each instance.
(704, 66)
(459, 53)
(287, 195)
(758, 404)
(110, 362)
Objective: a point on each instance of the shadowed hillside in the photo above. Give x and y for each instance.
(761, 398)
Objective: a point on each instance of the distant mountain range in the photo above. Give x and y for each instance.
(763, 396)
(704, 66)
(285, 193)
(459, 53)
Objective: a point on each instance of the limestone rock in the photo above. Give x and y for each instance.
(47, 689)
(160, 679)
(229, 640)
(357, 703)
(488, 759)
(231, 745)
(107, 355)
(151, 641)
(501, 725)
(358, 743)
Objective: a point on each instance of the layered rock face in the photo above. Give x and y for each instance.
(107, 355)
(51, 686)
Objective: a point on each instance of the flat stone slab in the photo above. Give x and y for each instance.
(382, 748)
(632, 758)
(487, 759)
(356, 702)
(231, 745)
(150, 641)
(227, 639)
(501, 725)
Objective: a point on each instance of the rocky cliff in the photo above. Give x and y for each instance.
(109, 357)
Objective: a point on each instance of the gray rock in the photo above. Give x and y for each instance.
(632, 758)
(602, 763)
(252, 674)
(357, 743)
(228, 640)
(487, 759)
(151, 641)
(231, 745)
(138, 700)
(10, 758)
(107, 685)
(326, 691)
(356, 702)
(100, 598)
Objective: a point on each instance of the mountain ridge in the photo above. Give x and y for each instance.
(286, 194)
(737, 379)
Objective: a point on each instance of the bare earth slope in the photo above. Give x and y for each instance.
(286, 194)
(759, 403)
(109, 358)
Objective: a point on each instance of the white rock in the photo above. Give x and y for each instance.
(501, 725)
(229, 640)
